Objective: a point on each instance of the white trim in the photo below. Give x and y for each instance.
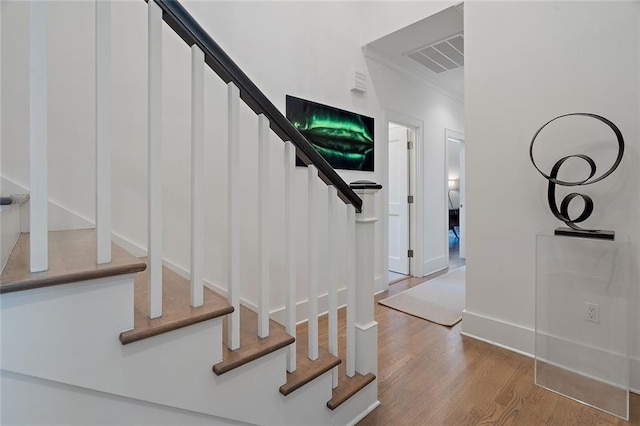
(500, 333)
(634, 381)
(365, 413)
(365, 327)
(380, 284)
(233, 208)
(491, 342)
(263, 226)
(520, 339)
(312, 260)
(103, 131)
(154, 180)
(332, 277)
(416, 185)
(38, 171)
(351, 291)
(289, 262)
(197, 176)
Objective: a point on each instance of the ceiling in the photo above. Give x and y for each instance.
(432, 48)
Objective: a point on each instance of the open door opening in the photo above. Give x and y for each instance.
(400, 198)
(455, 149)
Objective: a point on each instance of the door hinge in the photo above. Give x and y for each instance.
(410, 253)
(410, 199)
(409, 144)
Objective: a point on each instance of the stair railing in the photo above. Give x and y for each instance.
(361, 327)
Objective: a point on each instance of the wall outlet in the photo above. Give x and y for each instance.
(592, 312)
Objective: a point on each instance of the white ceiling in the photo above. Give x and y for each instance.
(443, 25)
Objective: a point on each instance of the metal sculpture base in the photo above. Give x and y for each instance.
(600, 235)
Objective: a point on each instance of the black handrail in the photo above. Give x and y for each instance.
(192, 33)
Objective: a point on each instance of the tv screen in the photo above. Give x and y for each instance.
(343, 138)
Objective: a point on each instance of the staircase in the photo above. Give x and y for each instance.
(92, 334)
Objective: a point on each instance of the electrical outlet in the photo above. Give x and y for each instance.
(592, 312)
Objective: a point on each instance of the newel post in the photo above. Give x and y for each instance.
(366, 325)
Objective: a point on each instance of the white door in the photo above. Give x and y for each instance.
(398, 200)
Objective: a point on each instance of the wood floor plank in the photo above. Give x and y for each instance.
(431, 375)
(72, 258)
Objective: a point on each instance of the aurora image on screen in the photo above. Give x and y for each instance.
(343, 138)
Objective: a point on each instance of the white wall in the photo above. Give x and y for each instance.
(385, 17)
(542, 60)
(71, 63)
(405, 96)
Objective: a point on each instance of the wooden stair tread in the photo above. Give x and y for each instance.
(348, 386)
(177, 311)
(251, 346)
(72, 258)
(306, 369)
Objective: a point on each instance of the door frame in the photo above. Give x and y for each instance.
(457, 136)
(416, 187)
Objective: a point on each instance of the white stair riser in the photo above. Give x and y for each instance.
(68, 334)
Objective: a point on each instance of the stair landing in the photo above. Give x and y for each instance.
(72, 258)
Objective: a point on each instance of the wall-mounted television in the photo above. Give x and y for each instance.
(345, 139)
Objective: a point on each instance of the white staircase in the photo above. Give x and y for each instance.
(89, 338)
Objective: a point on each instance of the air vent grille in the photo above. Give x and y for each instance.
(442, 56)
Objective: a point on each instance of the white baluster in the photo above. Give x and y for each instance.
(233, 197)
(155, 158)
(312, 264)
(351, 290)
(197, 176)
(332, 276)
(290, 261)
(103, 123)
(263, 226)
(38, 136)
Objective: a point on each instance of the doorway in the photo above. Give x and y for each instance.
(455, 181)
(401, 140)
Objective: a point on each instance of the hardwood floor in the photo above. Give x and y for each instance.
(431, 375)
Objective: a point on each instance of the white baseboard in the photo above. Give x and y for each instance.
(380, 283)
(510, 336)
(520, 339)
(59, 217)
(365, 413)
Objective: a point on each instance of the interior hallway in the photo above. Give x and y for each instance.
(431, 375)
(455, 261)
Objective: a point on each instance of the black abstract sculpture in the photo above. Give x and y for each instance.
(563, 212)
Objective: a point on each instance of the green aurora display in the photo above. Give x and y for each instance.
(343, 138)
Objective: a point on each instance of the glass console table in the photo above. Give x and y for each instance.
(583, 320)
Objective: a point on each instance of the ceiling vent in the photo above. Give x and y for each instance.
(442, 56)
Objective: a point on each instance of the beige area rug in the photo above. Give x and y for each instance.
(440, 300)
